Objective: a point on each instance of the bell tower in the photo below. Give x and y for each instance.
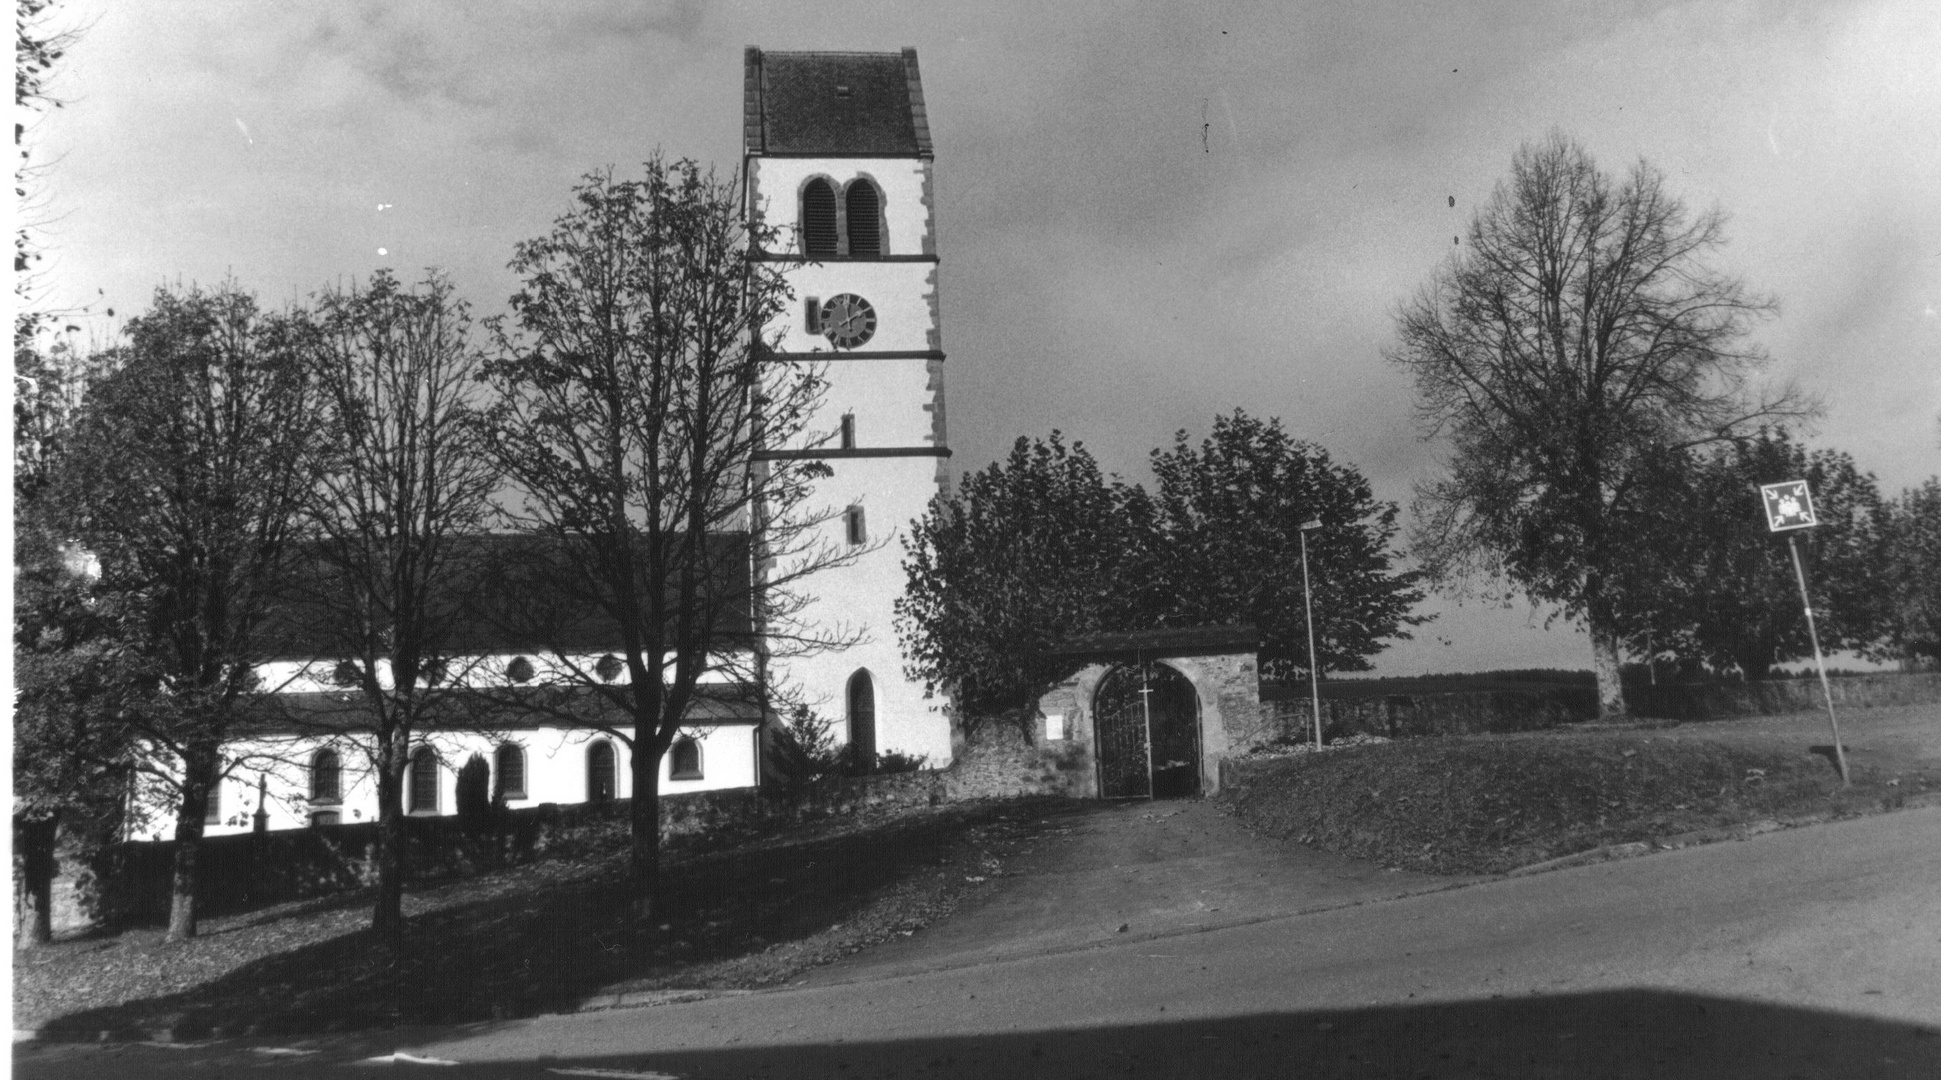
(837, 154)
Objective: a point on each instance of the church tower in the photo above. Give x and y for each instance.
(837, 153)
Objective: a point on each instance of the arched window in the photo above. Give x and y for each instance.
(819, 219)
(212, 814)
(422, 792)
(854, 527)
(511, 762)
(684, 759)
(599, 771)
(863, 213)
(862, 718)
(326, 777)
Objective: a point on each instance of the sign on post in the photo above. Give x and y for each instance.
(1789, 506)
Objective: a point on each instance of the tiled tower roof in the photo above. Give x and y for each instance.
(834, 103)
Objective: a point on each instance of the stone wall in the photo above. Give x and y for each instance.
(1710, 701)
(1407, 716)
(129, 882)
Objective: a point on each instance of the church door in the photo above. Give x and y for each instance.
(1148, 727)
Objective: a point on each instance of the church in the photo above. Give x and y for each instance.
(837, 156)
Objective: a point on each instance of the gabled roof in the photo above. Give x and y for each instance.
(841, 103)
(1165, 641)
(500, 594)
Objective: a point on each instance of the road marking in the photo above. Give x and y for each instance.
(402, 1058)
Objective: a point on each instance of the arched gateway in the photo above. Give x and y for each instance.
(1150, 713)
(1148, 722)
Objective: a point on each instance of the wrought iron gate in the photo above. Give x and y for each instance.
(1135, 702)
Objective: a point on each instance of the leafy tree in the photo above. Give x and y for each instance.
(185, 478)
(1911, 575)
(402, 480)
(1721, 588)
(1574, 340)
(1230, 513)
(635, 391)
(1026, 554)
(70, 682)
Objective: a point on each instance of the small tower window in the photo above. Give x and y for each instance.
(599, 772)
(511, 759)
(326, 777)
(847, 435)
(684, 759)
(422, 791)
(862, 209)
(853, 524)
(212, 814)
(819, 219)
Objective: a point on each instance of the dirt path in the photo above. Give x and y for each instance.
(1156, 869)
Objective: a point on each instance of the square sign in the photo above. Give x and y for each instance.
(1788, 506)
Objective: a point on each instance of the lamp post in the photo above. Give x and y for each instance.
(1307, 597)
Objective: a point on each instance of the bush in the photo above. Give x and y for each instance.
(474, 797)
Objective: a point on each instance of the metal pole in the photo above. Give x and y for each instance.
(1839, 752)
(1145, 705)
(1313, 667)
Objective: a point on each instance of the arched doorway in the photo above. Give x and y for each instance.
(599, 772)
(1133, 701)
(862, 720)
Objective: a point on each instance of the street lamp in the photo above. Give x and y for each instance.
(1307, 596)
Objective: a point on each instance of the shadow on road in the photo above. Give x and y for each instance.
(1636, 1033)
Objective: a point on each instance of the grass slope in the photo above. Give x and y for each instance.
(1487, 804)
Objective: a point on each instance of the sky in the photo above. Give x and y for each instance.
(1148, 214)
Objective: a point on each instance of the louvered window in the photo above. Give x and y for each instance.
(862, 208)
(819, 219)
(848, 432)
(853, 525)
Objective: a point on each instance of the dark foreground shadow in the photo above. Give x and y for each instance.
(1641, 1033)
(547, 948)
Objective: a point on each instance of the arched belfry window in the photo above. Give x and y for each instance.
(422, 791)
(862, 210)
(862, 717)
(326, 777)
(819, 235)
(599, 771)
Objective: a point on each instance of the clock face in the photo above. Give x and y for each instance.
(848, 321)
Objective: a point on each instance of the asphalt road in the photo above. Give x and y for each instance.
(1811, 952)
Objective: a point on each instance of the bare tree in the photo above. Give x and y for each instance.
(636, 391)
(185, 478)
(402, 484)
(1573, 340)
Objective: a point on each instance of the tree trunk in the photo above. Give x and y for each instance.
(387, 917)
(1605, 663)
(188, 845)
(33, 839)
(643, 856)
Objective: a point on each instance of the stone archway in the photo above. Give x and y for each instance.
(1147, 723)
